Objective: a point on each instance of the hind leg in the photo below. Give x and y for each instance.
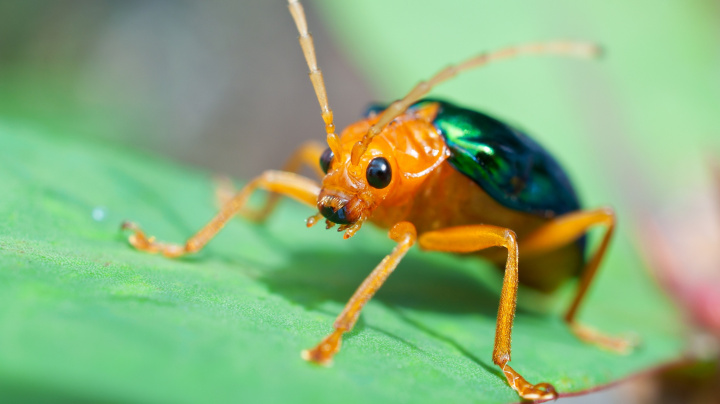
(562, 231)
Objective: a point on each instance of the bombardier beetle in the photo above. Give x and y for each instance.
(443, 177)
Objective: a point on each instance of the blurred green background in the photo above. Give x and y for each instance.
(223, 84)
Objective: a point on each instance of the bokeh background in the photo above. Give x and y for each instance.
(219, 84)
(222, 85)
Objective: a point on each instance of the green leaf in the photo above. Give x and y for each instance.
(85, 318)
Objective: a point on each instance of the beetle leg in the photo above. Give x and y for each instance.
(405, 235)
(465, 239)
(562, 231)
(307, 155)
(288, 184)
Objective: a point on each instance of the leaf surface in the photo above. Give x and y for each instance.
(85, 318)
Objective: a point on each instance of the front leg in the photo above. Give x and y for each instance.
(288, 184)
(404, 234)
(466, 239)
(307, 155)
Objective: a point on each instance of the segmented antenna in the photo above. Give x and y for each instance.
(397, 108)
(316, 77)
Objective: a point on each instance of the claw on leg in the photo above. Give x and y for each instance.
(323, 353)
(142, 242)
(622, 346)
(526, 390)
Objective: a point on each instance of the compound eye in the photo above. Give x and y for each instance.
(379, 173)
(326, 159)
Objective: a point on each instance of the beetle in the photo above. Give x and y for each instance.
(443, 177)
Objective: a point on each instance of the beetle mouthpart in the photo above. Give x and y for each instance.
(335, 209)
(338, 216)
(312, 220)
(352, 229)
(329, 225)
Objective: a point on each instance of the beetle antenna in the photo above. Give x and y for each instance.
(397, 108)
(316, 77)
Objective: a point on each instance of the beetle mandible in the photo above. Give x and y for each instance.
(445, 178)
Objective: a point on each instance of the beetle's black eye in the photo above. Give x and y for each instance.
(379, 173)
(325, 160)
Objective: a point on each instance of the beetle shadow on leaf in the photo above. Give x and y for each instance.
(316, 277)
(448, 340)
(319, 276)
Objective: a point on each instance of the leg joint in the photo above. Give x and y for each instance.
(510, 236)
(611, 216)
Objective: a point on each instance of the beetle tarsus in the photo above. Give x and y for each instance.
(323, 353)
(526, 390)
(140, 241)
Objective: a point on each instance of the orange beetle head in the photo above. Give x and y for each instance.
(350, 192)
(388, 172)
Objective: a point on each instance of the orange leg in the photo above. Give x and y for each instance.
(288, 184)
(465, 239)
(405, 235)
(562, 231)
(307, 155)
